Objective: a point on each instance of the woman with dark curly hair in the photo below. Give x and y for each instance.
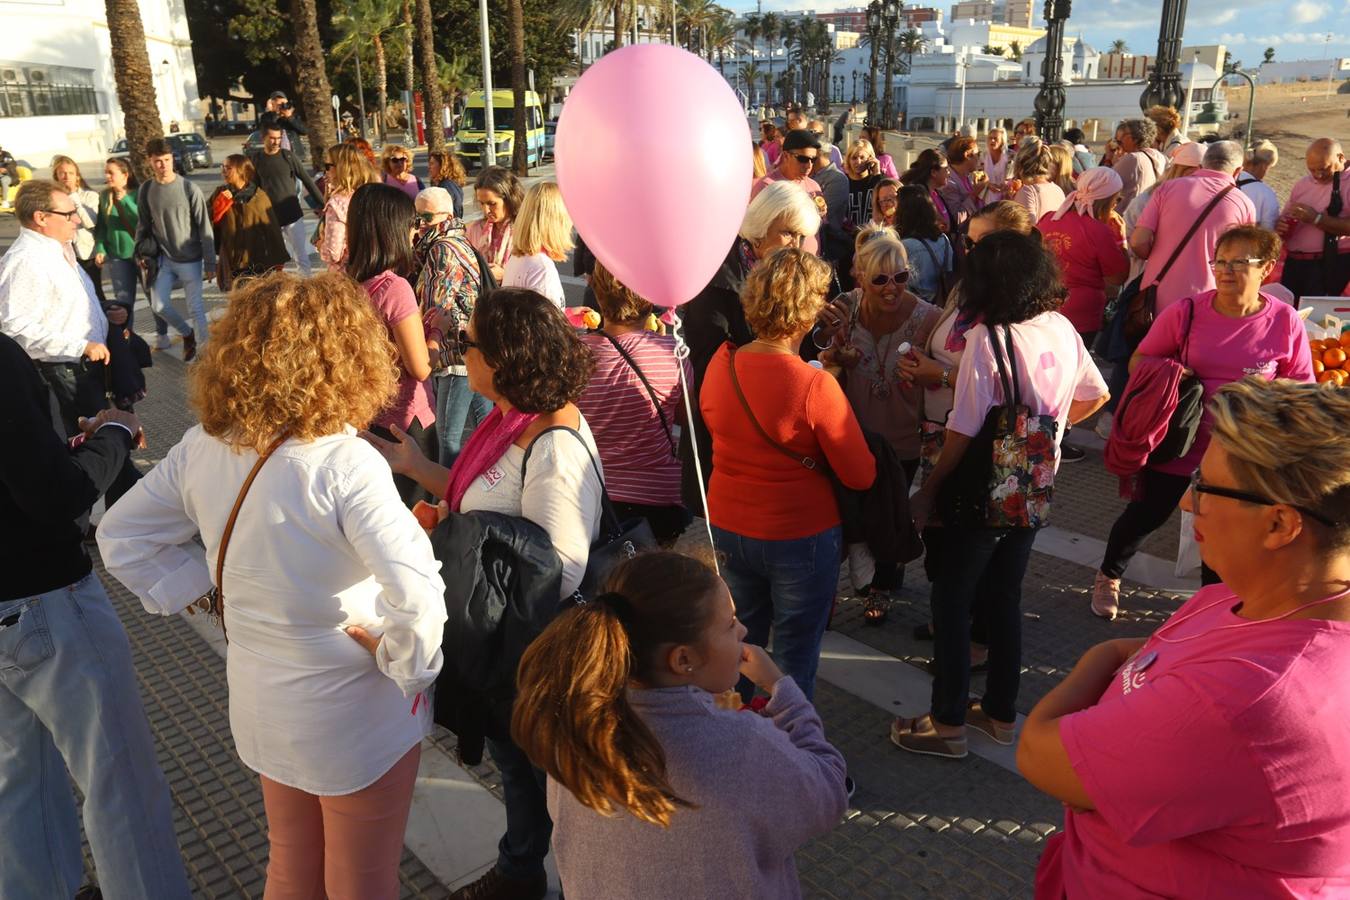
(1012, 288)
(522, 355)
(334, 732)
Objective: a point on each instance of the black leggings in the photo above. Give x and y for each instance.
(1159, 494)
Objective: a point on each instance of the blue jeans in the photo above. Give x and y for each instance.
(68, 700)
(990, 562)
(126, 277)
(789, 585)
(521, 851)
(456, 408)
(189, 275)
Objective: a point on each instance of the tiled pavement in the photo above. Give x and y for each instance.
(918, 827)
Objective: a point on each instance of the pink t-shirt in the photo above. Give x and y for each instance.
(1053, 370)
(1170, 213)
(412, 187)
(1218, 763)
(1305, 237)
(1089, 252)
(1041, 198)
(634, 447)
(1271, 343)
(395, 301)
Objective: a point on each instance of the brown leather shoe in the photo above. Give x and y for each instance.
(189, 346)
(497, 886)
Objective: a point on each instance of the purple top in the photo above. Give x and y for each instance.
(395, 301)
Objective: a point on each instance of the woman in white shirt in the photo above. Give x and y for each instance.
(540, 239)
(324, 564)
(66, 172)
(523, 356)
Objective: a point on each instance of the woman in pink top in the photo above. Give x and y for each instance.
(344, 171)
(877, 138)
(931, 170)
(771, 142)
(380, 247)
(1222, 335)
(397, 164)
(1032, 168)
(1091, 255)
(1212, 760)
(499, 196)
(635, 406)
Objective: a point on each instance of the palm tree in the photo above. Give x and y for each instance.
(753, 28)
(311, 75)
(909, 43)
(789, 33)
(367, 22)
(994, 50)
(770, 27)
(1015, 50)
(752, 75)
(135, 80)
(722, 40)
(409, 29)
(520, 151)
(1119, 46)
(431, 77)
(1269, 55)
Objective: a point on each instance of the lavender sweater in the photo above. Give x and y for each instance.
(762, 786)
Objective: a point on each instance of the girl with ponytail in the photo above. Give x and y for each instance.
(618, 703)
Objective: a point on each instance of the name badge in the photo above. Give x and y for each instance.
(492, 477)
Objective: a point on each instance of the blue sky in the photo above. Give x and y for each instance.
(1297, 29)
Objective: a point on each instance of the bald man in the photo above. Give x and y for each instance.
(1315, 225)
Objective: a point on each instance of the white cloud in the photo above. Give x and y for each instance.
(1304, 12)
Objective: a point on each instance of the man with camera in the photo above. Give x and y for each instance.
(280, 112)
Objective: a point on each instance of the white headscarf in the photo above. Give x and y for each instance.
(1094, 184)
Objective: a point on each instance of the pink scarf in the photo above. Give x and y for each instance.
(488, 443)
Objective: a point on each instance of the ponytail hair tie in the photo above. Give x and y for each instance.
(615, 603)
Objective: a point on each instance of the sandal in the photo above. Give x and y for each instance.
(876, 607)
(920, 736)
(978, 719)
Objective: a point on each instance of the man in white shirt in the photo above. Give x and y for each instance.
(1261, 158)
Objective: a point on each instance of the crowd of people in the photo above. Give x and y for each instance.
(426, 496)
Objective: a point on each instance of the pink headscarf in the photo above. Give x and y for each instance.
(1093, 185)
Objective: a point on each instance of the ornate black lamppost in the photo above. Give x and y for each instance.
(855, 86)
(1164, 82)
(873, 40)
(1050, 98)
(890, 15)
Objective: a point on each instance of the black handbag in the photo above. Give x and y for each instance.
(1184, 424)
(618, 540)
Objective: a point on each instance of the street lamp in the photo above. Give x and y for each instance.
(1190, 95)
(873, 38)
(965, 74)
(1164, 82)
(855, 86)
(890, 19)
(1050, 98)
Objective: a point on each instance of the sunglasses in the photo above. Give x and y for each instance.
(401, 160)
(428, 217)
(883, 279)
(804, 160)
(465, 342)
(1198, 487)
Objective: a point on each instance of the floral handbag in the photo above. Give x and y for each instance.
(1007, 476)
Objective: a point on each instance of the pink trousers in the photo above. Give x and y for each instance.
(340, 848)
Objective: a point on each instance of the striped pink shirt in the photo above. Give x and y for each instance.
(634, 449)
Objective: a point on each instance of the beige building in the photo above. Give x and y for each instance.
(1017, 13)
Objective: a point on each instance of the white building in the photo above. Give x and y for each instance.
(57, 93)
(1079, 60)
(1338, 69)
(590, 44)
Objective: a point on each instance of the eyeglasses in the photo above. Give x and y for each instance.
(1198, 487)
(1234, 265)
(883, 279)
(428, 217)
(465, 342)
(804, 160)
(62, 212)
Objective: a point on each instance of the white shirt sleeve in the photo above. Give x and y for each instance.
(145, 540)
(411, 603)
(537, 273)
(28, 305)
(561, 494)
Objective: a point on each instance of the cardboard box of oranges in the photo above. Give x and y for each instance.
(1329, 359)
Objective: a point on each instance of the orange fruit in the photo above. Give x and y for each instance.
(1329, 375)
(1333, 359)
(1318, 367)
(1345, 338)
(1317, 346)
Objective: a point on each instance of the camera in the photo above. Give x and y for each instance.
(284, 105)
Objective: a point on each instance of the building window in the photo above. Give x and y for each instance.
(28, 90)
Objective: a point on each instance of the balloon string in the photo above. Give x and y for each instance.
(682, 354)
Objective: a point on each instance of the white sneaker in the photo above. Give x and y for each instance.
(1103, 426)
(1105, 597)
(163, 342)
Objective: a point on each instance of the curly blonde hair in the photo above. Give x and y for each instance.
(1286, 441)
(784, 293)
(303, 355)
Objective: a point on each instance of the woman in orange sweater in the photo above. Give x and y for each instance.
(778, 425)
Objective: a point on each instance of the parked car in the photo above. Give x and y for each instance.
(182, 164)
(550, 132)
(195, 148)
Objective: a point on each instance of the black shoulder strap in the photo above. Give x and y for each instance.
(609, 519)
(1335, 205)
(1186, 341)
(651, 393)
(1195, 226)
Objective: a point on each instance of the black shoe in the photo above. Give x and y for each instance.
(1070, 453)
(849, 787)
(497, 886)
(189, 346)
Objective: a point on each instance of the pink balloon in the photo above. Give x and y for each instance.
(653, 161)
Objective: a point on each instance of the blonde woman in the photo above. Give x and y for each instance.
(396, 164)
(444, 170)
(345, 170)
(66, 172)
(1061, 168)
(1032, 169)
(760, 163)
(864, 172)
(333, 730)
(542, 236)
